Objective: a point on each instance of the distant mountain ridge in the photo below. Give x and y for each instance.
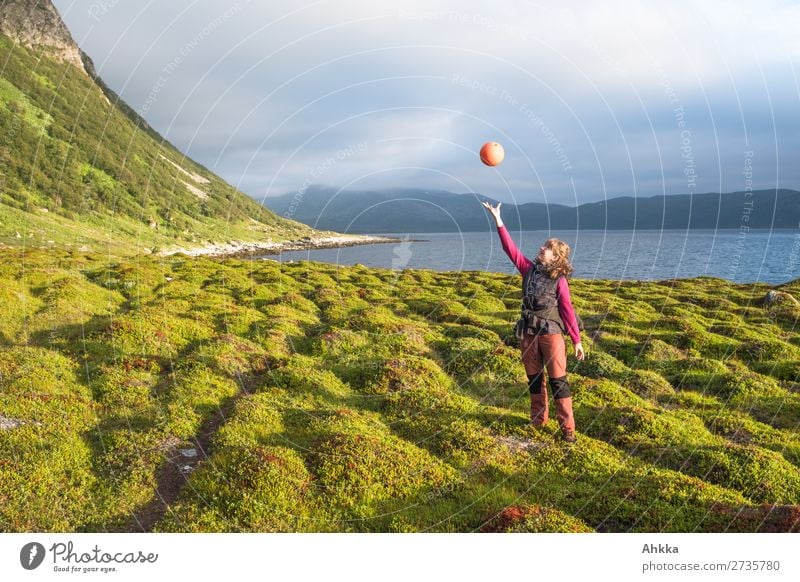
(417, 210)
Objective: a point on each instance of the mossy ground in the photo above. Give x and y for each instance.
(364, 399)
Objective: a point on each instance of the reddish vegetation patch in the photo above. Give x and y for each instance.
(42, 397)
(512, 516)
(533, 518)
(129, 364)
(764, 518)
(264, 456)
(238, 343)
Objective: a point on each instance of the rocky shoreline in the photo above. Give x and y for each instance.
(248, 249)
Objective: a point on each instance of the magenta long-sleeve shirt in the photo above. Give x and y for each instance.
(523, 264)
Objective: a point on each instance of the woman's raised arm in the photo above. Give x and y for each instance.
(520, 261)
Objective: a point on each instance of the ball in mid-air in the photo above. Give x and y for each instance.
(492, 153)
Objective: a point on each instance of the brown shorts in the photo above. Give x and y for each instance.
(544, 350)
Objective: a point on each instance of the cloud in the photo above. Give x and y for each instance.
(587, 98)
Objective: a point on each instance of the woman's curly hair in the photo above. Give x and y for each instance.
(560, 265)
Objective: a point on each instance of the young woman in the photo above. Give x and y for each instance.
(549, 314)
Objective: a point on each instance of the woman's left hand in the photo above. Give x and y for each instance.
(579, 353)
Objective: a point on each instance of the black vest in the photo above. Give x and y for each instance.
(540, 303)
(538, 289)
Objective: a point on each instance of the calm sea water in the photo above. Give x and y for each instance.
(767, 256)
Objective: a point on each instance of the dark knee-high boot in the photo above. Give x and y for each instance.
(563, 400)
(539, 404)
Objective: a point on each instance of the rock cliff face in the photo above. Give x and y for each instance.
(37, 24)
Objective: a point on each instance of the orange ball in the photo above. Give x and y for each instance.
(492, 153)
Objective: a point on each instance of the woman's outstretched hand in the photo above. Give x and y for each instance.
(579, 353)
(494, 210)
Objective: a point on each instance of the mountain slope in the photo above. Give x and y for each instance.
(80, 169)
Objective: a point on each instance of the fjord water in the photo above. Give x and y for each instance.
(766, 256)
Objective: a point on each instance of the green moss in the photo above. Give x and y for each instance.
(649, 385)
(601, 393)
(127, 391)
(152, 332)
(378, 319)
(780, 411)
(624, 349)
(656, 352)
(358, 470)
(41, 388)
(127, 461)
(412, 385)
(353, 399)
(69, 308)
(598, 364)
(680, 440)
(766, 348)
(229, 278)
(297, 301)
(785, 314)
(194, 392)
(255, 421)
(469, 358)
(699, 374)
(338, 306)
(356, 357)
(305, 376)
(485, 304)
(288, 319)
(455, 331)
(257, 489)
(691, 400)
(693, 334)
(50, 491)
(740, 427)
(788, 371)
(232, 355)
(242, 321)
(45, 464)
(16, 307)
(616, 492)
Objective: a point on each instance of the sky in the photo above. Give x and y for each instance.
(589, 100)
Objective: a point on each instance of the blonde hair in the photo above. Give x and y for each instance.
(560, 265)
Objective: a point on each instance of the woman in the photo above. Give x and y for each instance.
(549, 314)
